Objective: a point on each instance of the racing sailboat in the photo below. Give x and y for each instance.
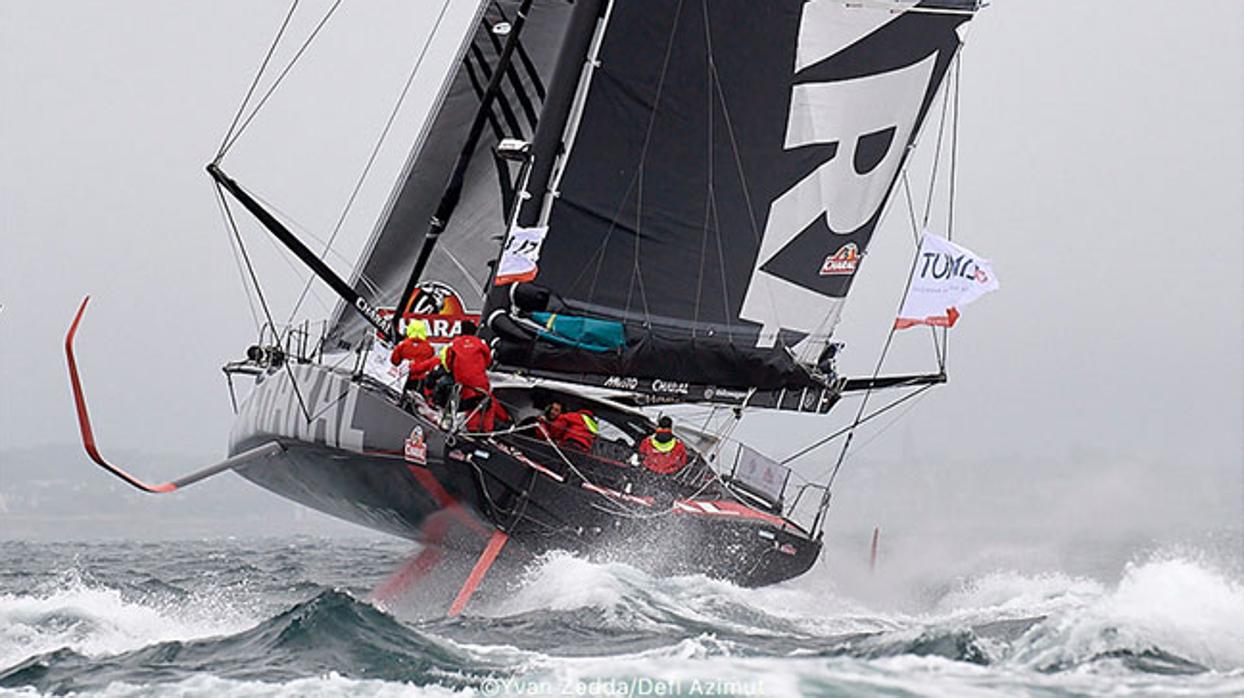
(645, 206)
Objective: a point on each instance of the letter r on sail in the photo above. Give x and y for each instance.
(871, 119)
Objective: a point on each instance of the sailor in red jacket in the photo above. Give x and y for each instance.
(416, 350)
(663, 453)
(467, 359)
(576, 429)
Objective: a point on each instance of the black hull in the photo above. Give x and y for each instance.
(460, 493)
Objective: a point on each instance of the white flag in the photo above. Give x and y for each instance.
(946, 278)
(520, 256)
(380, 368)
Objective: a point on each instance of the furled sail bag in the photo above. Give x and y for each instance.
(579, 332)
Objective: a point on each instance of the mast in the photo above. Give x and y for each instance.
(453, 190)
(549, 147)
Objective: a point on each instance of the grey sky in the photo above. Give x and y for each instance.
(1102, 170)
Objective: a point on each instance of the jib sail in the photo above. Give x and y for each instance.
(721, 174)
(458, 270)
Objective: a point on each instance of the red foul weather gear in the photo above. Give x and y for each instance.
(419, 353)
(467, 359)
(663, 458)
(577, 429)
(486, 417)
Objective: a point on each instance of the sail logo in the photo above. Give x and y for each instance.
(441, 307)
(842, 262)
(863, 124)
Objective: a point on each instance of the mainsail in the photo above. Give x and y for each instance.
(458, 270)
(723, 171)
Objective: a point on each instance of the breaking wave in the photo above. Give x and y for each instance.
(1167, 622)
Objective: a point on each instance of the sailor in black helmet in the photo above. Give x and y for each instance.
(663, 453)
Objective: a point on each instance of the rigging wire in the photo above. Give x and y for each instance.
(220, 194)
(375, 152)
(846, 444)
(954, 177)
(220, 152)
(870, 416)
(276, 83)
(937, 156)
(237, 261)
(911, 210)
(941, 351)
(637, 277)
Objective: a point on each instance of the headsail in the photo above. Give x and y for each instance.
(458, 270)
(722, 185)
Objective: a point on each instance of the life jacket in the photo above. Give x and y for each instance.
(576, 429)
(467, 359)
(663, 458)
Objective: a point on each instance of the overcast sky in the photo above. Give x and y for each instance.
(1101, 169)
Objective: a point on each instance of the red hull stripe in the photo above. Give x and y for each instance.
(696, 507)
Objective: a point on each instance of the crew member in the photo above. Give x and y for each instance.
(467, 359)
(552, 411)
(417, 351)
(576, 429)
(663, 453)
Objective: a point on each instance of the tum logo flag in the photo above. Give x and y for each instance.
(946, 278)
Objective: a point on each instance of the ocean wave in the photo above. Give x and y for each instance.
(1169, 621)
(76, 613)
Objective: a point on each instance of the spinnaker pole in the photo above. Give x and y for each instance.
(317, 265)
(453, 190)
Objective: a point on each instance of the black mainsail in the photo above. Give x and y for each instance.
(723, 170)
(458, 270)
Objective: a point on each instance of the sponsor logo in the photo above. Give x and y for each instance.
(661, 386)
(416, 450)
(942, 266)
(727, 394)
(441, 307)
(709, 392)
(377, 317)
(843, 262)
(787, 549)
(455, 454)
(622, 382)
